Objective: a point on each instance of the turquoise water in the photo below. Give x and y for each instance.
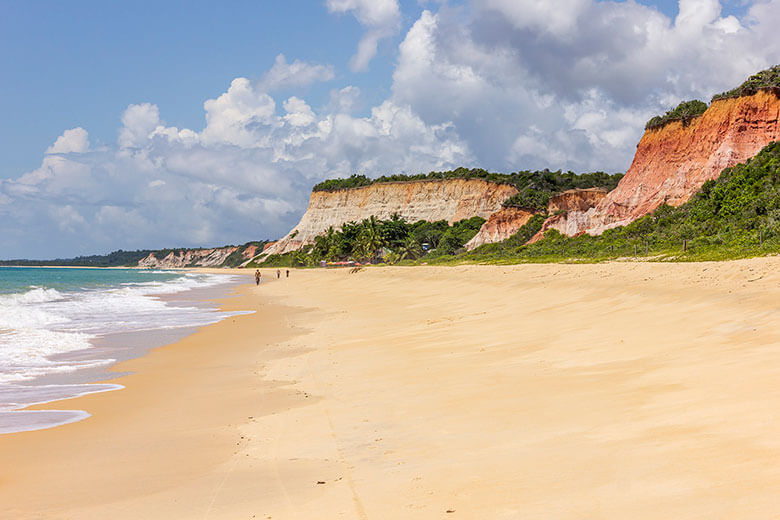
(19, 279)
(52, 318)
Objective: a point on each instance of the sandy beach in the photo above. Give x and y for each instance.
(622, 390)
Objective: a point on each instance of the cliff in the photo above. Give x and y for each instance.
(188, 258)
(672, 162)
(500, 225)
(432, 200)
(228, 256)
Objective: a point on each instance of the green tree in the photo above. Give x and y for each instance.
(410, 249)
(369, 239)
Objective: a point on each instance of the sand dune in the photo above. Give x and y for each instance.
(625, 390)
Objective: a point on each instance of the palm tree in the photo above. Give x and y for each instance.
(369, 239)
(410, 249)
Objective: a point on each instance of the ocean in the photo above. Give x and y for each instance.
(62, 328)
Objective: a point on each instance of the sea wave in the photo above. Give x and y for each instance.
(41, 324)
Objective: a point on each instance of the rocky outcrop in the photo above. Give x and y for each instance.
(228, 256)
(189, 258)
(673, 161)
(448, 199)
(568, 211)
(576, 200)
(500, 225)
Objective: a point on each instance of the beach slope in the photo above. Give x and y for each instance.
(623, 390)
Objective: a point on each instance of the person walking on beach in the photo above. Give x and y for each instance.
(287, 272)
(257, 277)
(278, 273)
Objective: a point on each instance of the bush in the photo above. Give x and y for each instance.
(766, 79)
(684, 112)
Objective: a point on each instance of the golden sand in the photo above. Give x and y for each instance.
(624, 390)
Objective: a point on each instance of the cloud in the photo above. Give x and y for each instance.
(245, 175)
(533, 84)
(73, 140)
(295, 74)
(504, 85)
(381, 18)
(138, 123)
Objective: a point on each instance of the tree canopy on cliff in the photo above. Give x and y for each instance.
(684, 112)
(736, 215)
(766, 79)
(535, 187)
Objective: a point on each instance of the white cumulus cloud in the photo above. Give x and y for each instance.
(296, 74)
(504, 85)
(73, 140)
(381, 18)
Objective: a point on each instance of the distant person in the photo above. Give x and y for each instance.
(278, 273)
(258, 276)
(287, 272)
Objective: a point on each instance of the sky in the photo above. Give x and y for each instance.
(152, 124)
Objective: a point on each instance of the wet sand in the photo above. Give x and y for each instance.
(623, 390)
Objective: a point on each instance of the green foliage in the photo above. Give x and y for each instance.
(766, 79)
(357, 181)
(236, 258)
(372, 238)
(684, 112)
(122, 258)
(736, 215)
(354, 181)
(457, 235)
(536, 187)
(114, 259)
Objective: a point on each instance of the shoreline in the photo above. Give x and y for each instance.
(124, 415)
(624, 390)
(95, 360)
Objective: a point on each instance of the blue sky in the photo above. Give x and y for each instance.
(106, 144)
(81, 63)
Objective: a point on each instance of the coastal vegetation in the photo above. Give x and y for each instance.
(735, 216)
(684, 112)
(373, 239)
(534, 187)
(121, 258)
(687, 110)
(766, 79)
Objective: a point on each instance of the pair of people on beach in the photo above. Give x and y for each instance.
(279, 273)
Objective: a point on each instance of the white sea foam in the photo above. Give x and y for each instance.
(41, 323)
(41, 326)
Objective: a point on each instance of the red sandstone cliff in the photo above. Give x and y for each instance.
(672, 162)
(500, 225)
(448, 199)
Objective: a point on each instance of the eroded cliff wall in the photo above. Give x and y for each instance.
(214, 257)
(501, 225)
(672, 162)
(450, 200)
(189, 258)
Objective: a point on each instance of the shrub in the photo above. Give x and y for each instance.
(766, 79)
(684, 112)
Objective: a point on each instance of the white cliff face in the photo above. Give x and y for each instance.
(450, 199)
(189, 258)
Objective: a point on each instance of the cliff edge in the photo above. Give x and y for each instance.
(673, 161)
(447, 199)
